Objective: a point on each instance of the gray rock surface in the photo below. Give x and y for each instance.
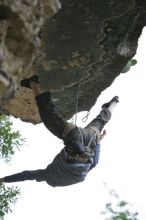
(87, 42)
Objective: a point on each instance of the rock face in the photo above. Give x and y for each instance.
(85, 45)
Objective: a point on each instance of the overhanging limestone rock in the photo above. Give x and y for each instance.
(20, 25)
(86, 41)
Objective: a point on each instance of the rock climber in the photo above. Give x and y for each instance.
(81, 145)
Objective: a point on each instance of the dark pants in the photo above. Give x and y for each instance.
(56, 124)
(99, 122)
(53, 121)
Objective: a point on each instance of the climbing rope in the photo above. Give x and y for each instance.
(84, 119)
(77, 98)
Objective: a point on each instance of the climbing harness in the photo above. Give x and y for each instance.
(89, 152)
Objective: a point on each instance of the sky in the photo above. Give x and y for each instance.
(122, 159)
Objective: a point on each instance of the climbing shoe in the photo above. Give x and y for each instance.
(114, 99)
(26, 82)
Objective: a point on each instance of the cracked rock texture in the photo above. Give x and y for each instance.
(68, 43)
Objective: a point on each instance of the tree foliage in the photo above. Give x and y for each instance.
(9, 140)
(8, 196)
(121, 210)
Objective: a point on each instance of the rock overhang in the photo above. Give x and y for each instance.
(86, 44)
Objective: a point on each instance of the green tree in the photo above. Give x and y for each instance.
(8, 196)
(9, 141)
(119, 210)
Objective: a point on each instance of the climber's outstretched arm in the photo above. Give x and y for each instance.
(38, 175)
